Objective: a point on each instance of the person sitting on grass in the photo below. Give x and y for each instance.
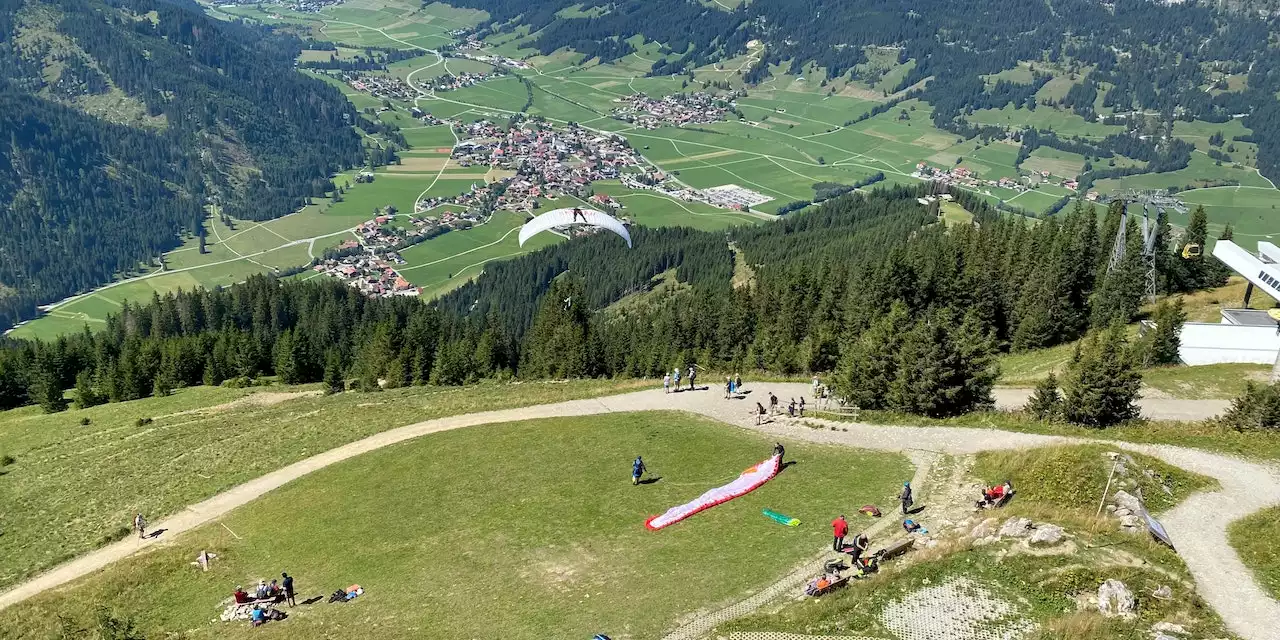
(261, 593)
(259, 616)
(241, 596)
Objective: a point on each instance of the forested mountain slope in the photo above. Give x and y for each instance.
(122, 121)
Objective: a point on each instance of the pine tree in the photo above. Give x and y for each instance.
(557, 343)
(86, 395)
(1161, 344)
(162, 386)
(46, 385)
(1046, 401)
(869, 362)
(1102, 383)
(334, 381)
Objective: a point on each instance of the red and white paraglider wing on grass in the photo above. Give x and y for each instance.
(567, 218)
(750, 480)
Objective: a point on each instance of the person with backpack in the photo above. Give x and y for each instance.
(728, 387)
(905, 497)
(288, 588)
(637, 470)
(693, 375)
(140, 524)
(675, 378)
(840, 529)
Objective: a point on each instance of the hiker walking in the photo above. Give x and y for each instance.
(840, 529)
(693, 375)
(791, 408)
(637, 470)
(773, 404)
(779, 450)
(140, 524)
(288, 588)
(905, 497)
(666, 383)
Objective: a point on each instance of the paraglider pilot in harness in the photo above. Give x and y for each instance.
(577, 213)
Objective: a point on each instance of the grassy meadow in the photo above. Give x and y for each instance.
(75, 487)
(532, 528)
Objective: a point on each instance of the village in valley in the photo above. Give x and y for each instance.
(677, 109)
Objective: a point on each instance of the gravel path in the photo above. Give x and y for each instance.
(1197, 526)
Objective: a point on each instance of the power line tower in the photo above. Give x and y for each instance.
(1118, 251)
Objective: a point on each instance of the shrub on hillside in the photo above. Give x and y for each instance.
(1257, 408)
(1046, 401)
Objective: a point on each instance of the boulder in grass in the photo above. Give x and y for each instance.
(1046, 534)
(1115, 599)
(1015, 528)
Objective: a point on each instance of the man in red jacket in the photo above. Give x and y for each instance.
(840, 527)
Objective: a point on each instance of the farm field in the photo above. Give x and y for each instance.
(557, 518)
(75, 487)
(1252, 211)
(447, 262)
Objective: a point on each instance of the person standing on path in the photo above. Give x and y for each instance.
(693, 374)
(288, 588)
(737, 382)
(905, 497)
(815, 385)
(637, 470)
(859, 547)
(728, 387)
(666, 383)
(773, 404)
(801, 406)
(840, 529)
(759, 413)
(675, 377)
(140, 524)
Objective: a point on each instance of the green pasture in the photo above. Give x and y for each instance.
(1252, 211)
(1257, 539)
(1065, 123)
(1062, 164)
(76, 487)
(545, 539)
(653, 210)
(446, 262)
(1201, 171)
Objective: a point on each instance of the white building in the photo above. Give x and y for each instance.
(1242, 335)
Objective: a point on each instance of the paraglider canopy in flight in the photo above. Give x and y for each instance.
(573, 216)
